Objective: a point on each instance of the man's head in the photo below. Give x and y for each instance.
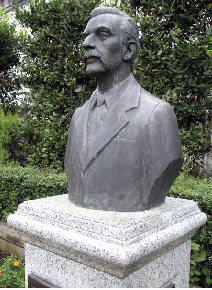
(111, 39)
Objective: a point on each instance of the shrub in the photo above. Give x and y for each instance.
(199, 190)
(8, 125)
(12, 273)
(18, 184)
(9, 59)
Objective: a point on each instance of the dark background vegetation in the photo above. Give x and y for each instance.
(9, 58)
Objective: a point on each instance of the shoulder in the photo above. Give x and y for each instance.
(80, 111)
(150, 98)
(154, 104)
(145, 97)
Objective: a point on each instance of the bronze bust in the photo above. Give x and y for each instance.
(123, 151)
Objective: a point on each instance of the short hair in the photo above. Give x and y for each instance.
(129, 26)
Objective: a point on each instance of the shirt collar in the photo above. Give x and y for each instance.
(112, 96)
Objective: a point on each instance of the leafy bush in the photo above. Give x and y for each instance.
(199, 190)
(9, 59)
(12, 273)
(18, 184)
(197, 256)
(8, 125)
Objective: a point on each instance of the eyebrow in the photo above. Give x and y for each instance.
(98, 30)
(105, 29)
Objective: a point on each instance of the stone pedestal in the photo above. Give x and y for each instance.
(69, 246)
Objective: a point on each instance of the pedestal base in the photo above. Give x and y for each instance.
(172, 267)
(70, 246)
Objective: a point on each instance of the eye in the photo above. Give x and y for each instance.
(103, 35)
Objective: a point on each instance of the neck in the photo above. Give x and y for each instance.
(109, 81)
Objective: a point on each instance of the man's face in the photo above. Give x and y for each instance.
(103, 45)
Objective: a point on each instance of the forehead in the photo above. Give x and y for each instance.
(110, 21)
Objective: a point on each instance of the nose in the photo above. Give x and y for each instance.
(88, 43)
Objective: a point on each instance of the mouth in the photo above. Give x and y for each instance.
(90, 59)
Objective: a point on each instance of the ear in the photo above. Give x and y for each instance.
(130, 51)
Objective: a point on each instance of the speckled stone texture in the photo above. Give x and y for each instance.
(170, 267)
(70, 246)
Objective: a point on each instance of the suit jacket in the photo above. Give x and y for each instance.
(133, 160)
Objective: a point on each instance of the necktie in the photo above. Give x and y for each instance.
(100, 100)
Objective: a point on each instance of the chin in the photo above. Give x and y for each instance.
(94, 72)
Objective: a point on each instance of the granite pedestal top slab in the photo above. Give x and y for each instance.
(115, 242)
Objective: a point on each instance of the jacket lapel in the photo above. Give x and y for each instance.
(115, 121)
(80, 138)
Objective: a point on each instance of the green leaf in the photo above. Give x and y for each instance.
(208, 280)
(159, 52)
(195, 246)
(209, 30)
(203, 254)
(205, 271)
(197, 272)
(195, 279)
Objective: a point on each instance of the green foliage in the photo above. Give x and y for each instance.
(199, 190)
(8, 125)
(52, 68)
(18, 184)
(207, 277)
(12, 273)
(9, 59)
(188, 164)
(196, 257)
(175, 62)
